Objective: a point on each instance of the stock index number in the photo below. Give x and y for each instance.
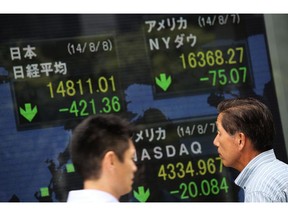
(70, 87)
(211, 58)
(180, 170)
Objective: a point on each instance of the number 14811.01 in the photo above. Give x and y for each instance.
(70, 87)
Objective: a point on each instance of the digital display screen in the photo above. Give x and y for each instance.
(165, 72)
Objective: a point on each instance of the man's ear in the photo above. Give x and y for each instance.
(109, 159)
(241, 140)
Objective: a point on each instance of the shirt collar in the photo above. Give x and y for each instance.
(90, 195)
(260, 159)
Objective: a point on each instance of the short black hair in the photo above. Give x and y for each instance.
(94, 137)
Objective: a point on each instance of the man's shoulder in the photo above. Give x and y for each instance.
(270, 176)
(90, 196)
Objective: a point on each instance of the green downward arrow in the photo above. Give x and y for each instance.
(28, 112)
(163, 82)
(141, 195)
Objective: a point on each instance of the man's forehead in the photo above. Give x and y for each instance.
(218, 120)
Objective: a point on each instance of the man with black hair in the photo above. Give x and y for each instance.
(244, 141)
(103, 153)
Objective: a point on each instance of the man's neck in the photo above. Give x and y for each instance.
(98, 185)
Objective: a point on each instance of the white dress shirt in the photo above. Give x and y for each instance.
(90, 195)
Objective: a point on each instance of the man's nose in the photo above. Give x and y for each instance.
(135, 167)
(215, 141)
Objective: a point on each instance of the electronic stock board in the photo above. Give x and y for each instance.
(165, 72)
